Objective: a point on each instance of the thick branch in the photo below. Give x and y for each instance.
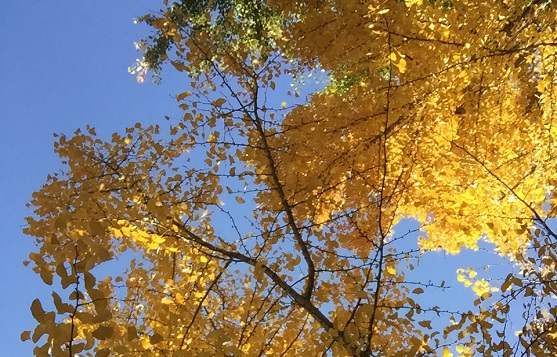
(287, 208)
(299, 299)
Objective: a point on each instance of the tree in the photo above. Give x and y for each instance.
(263, 226)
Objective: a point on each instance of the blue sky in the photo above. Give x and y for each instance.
(63, 64)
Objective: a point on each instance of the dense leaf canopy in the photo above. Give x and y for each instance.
(264, 222)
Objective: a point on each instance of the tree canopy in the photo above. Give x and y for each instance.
(263, 223)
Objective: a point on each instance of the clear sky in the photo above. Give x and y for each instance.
(63, 64)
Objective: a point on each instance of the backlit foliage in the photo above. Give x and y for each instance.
(263, 223)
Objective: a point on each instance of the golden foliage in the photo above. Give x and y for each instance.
(437, 110)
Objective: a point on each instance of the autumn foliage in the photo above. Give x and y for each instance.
(263, 223)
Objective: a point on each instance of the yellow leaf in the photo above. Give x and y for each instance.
(402, 65)
(96, 227)
(418, 291)
(179, 66)
(390, 269)
(25, 335)
(180, 298)
(37, 310)
(183, 95)
(425, 323)
(145, 343)
(156, 338)
(463, 350)
(103, 332)
(219, 102)
(166, 300)
(481, 287)
(409, 3)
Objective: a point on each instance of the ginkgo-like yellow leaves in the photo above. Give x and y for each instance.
(139, 236)
(265, 220)
(480, 287)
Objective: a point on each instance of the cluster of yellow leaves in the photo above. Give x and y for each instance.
(438, 110)
(468, 119)
(480, 287)
(143, 238)
(462, 351)
(126, 197)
